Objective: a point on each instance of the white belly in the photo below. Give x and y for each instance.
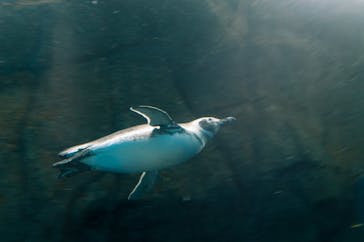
(145, 154)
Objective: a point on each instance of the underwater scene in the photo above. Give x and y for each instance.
(241, 120)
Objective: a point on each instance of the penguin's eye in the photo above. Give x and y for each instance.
(208, 126)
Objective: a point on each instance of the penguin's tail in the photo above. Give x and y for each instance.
(72, 166)
(66, 169)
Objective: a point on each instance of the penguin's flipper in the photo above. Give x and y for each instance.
(145, 183)
(154, 116)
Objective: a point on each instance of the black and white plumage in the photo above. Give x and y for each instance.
(144, 148)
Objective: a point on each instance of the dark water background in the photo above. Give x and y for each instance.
(291, 71)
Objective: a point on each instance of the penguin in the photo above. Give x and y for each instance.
(145, 148)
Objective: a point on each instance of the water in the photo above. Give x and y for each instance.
(290, 71)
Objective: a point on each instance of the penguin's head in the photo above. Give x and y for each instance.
(210, 125)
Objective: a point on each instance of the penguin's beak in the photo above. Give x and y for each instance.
(227, 120)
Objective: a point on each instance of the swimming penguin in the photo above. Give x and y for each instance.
(144, 148)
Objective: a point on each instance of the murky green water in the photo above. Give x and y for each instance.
(289, 169)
